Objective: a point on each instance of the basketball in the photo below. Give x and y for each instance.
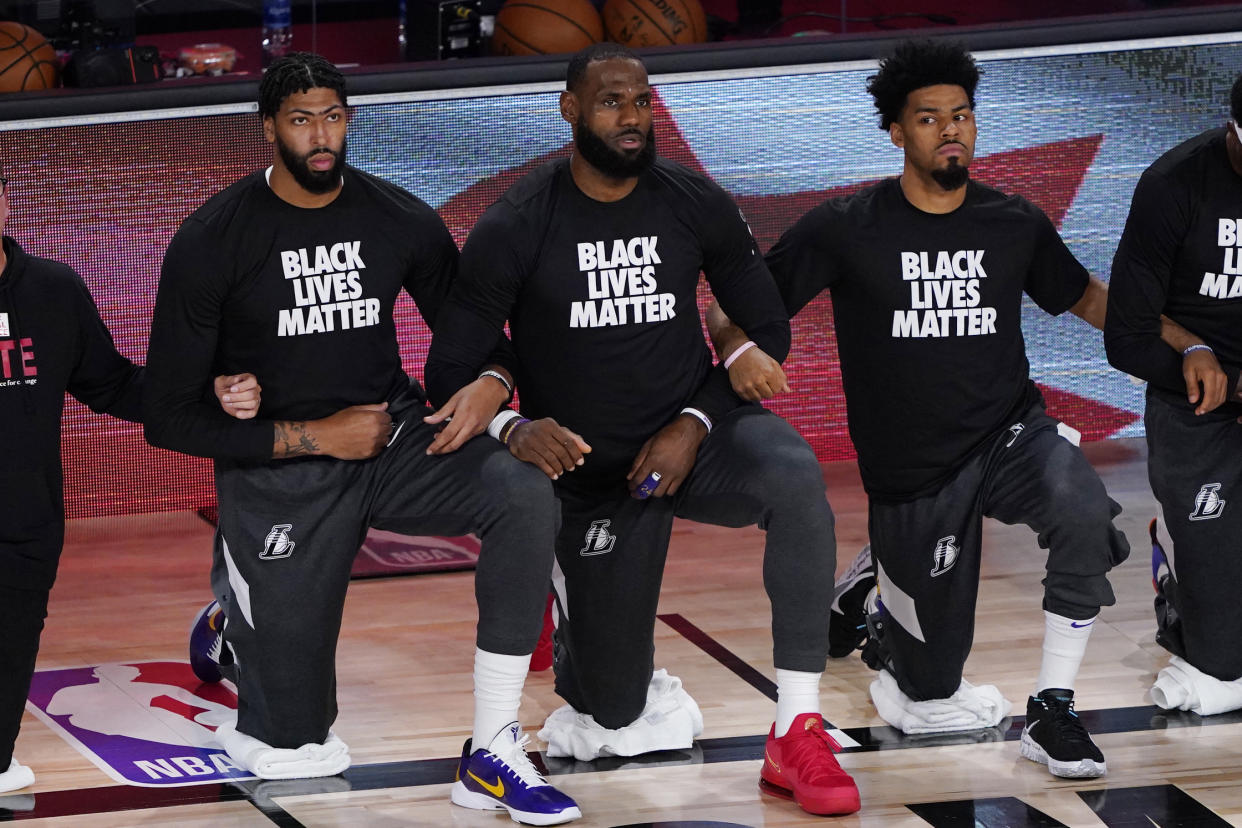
(642, 23)
(545, 27)
(27, 60)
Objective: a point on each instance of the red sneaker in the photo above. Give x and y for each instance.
(800, 766)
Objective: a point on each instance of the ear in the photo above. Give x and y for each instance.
(569, 107)
(269, 130)
(897, 135)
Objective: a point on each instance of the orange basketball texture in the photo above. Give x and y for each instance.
(642, 23)
(27, 60)
(545, 27)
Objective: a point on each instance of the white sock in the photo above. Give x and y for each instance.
(796, 693)
(498, 681)
(1065, 642)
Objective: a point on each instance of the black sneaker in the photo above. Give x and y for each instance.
(1054, 736)
(847, 620)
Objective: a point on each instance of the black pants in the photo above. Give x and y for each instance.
(21, 621)
(752, 469)
(927, 551)
(288, 535)
(1193, 469)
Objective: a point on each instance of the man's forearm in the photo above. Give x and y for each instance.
(293, 439)
(1177, 337)
(726, 336)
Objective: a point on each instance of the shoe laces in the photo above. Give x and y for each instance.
(516, 759)
(1065, 719)
(812, 751)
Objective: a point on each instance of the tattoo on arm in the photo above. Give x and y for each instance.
(293, 439)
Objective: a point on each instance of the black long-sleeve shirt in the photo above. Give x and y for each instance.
(51, 341)
(600, 298)
(927, 311)
(302, 298)
(1179, 255)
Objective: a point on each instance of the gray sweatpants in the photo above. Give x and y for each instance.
(288, 534)
(753, 468)
(928, 550)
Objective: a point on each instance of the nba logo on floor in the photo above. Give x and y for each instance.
(148, 723)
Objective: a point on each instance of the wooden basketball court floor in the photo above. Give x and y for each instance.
(128, 587)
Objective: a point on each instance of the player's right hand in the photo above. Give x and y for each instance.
(355, 433)
(549, 445)
(756, 376)
(1201, 368)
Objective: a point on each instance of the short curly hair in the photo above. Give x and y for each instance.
(297, 72)
(575, 72)
(916, 64)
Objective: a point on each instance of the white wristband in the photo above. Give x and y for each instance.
(499, 377)
(1194, 348)
(700, 416)
(741, 349)
(498, 422)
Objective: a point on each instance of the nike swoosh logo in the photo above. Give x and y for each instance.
(1078, 626)
(391, 439)
(1026, 731)
(775, 766)
(495, 790)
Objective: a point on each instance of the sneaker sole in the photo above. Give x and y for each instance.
(466, 798)
(845, 803)
(1082, 769)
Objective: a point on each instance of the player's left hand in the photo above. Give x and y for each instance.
(467, 413)
(671, 451)
(239, 394)
(756, 376)
(1200, 368)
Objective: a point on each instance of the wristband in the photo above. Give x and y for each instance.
(700, 416)
(1194, 348)
(510, 427)
(500, 421)
(498, 377)
(743, 348)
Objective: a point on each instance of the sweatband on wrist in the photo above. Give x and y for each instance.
(510, 427)
(741, 349)
(499, 377)
(700, 416)
(1207, 348)
(500, 420)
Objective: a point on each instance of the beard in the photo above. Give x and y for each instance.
(596, 152)
(313, 181)
(952, 177)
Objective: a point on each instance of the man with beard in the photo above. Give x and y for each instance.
(295, 271)
(926, 273)
(594, 261)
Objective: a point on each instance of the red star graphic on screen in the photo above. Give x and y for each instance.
(1048, 175)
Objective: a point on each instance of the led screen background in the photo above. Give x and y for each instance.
(1071, 129)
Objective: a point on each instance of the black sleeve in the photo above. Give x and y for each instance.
(1160, 214)
(1056, 280)
(102, 379)
(798, 261)
(741, 283)
(181, 353)
(494, 262)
